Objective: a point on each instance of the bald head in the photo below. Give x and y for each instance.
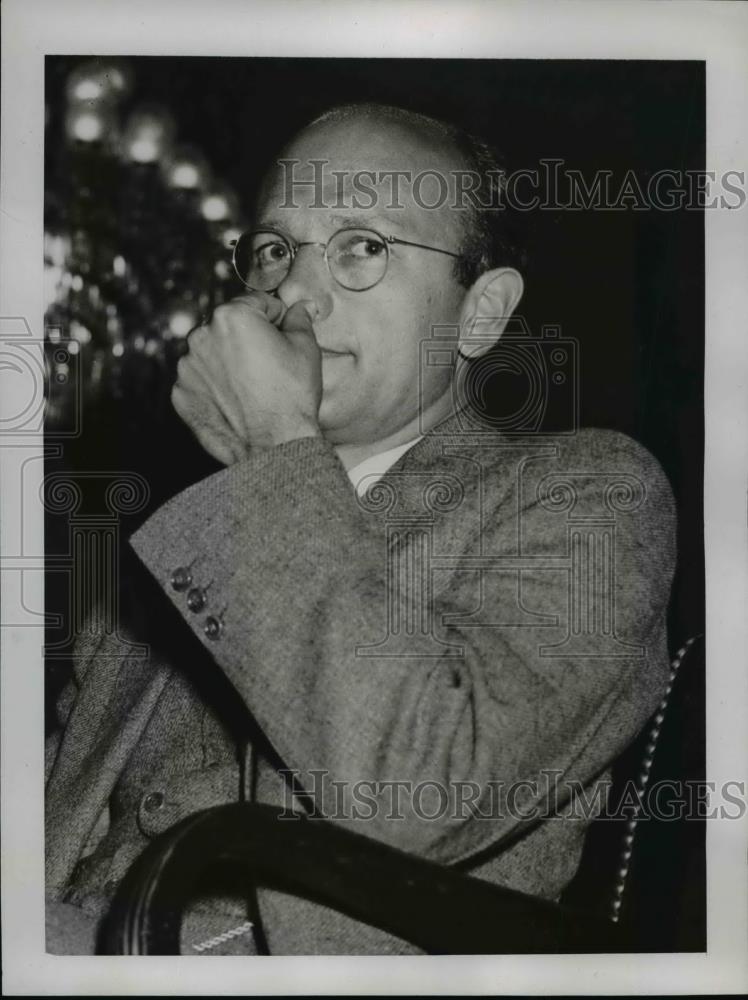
(450, 173)
(431, 132)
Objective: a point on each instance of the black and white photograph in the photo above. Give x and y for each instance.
(373, 517)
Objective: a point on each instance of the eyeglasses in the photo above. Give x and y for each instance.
(356, 258)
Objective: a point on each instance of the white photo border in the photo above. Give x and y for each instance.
(715, 32)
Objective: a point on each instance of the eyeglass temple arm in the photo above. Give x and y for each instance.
(422, 246)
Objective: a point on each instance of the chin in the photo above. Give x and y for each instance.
(332, 424)
(340, 428)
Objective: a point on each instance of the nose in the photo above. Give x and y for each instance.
(308, 278)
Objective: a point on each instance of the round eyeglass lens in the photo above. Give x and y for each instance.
(357, 258)
(262, 260)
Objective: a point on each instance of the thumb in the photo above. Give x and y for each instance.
(299, 318)
(268, 305)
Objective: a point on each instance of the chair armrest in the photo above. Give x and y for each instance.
(435, 908)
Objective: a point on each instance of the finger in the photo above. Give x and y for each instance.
(184, 403)
(197, 379)
(217, 441)
(300, 317)
(197, 335)
(191, 375)
(203, 417)
(216, 446)
(270, 306)
(205, 397)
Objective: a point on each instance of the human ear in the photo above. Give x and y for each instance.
(486, 308)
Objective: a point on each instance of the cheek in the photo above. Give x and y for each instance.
(388, 325)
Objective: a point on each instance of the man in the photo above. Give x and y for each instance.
(391, 596)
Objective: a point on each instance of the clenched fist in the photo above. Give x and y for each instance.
(252, 377)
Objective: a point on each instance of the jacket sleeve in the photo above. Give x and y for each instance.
(297, 577)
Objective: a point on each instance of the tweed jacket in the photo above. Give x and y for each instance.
(484, 630)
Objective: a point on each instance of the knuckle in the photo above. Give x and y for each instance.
(177, 400)
(223, 312)
(196, 337)
(243, 306)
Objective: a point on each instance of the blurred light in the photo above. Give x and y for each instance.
(153, 121)
(151, 347)
(86, 126)
(92, 123)
(118, 350)
(53, 333)
(98, 80)
(139, 342)
(186, 175)
(73, 347)
(181, 321)
(215, 208)
(76, 283)
(119, 266)
(187, 169)
(97, 369)
(56, 248)
(62, 370)
(148, 134)
(52, 282)
(88, 90)
(119, 79)
(144, 150)
(222, 270)
(80, 333)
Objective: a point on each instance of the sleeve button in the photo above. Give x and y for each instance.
(153, 802)
(213, 627)
(196, 599)
(181, 578)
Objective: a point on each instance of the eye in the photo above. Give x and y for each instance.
(271, 254)
(363, 246)
(368, 247)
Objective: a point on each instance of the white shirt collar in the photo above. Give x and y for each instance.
(366, 473)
